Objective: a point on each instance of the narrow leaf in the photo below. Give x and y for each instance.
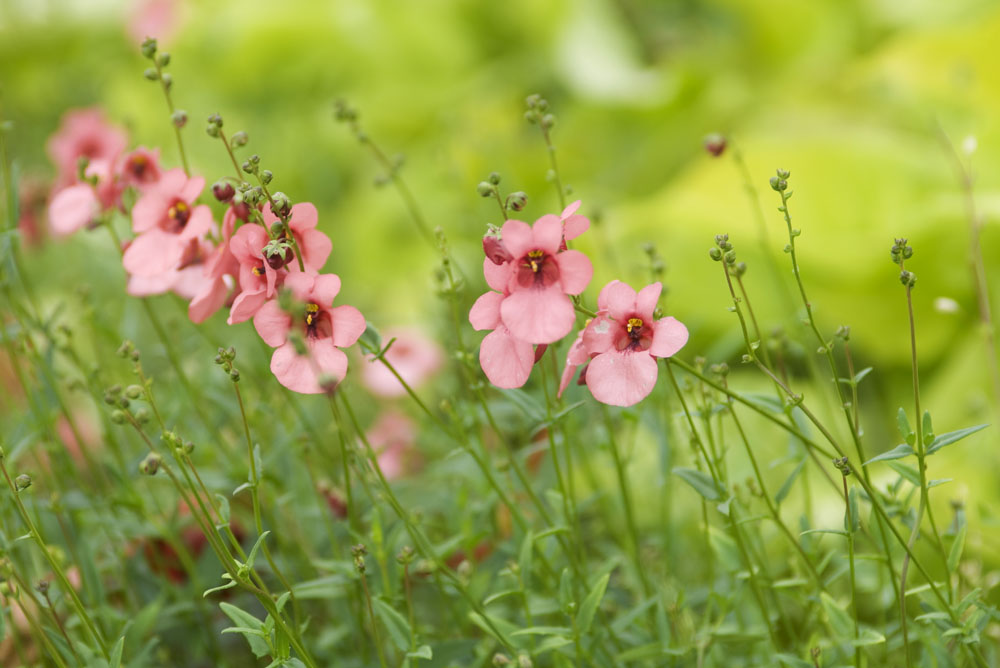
(840, 621)
(908, 472)
(588, 608)
(952, 436)
(422, 652)
(116, 653)
(900, 451)
(399, 628)
(701, 482)
(955, 554)
(786, 486)
(904, 425)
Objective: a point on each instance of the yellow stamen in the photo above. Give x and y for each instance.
(633, 323)
(258, 271)
(533, 258)
(311, 311)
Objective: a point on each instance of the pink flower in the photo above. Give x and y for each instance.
(84, 133)
(166, 220)
(506, 360)
(259, 275)
(622, 341)
(153, 18)
(538, 277)
(140, 168)
(393, 437)
(315, 245)
(324, 329)
(213, 290)
(415, 357)
(78, 206)
(185, 280)
(573, 223)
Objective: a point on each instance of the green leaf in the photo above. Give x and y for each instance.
(904, 426)
(767, 402)
(588, 608)
(371, 338)
(840, 621)
(499, 629)
(116, 653)
(701, 482)
(256, 546)
(928, 429)
(228, 585)
(249, 626)
(900, 451)
(952, 436)
(542, 631)
(726, 549)
(223, 507)
(399, 628)
(565, 591)
(258, 461)
(855, 517)
(908, 472)
(786, 486)
(422, 652)
(955, 554)
(242, 487)
(492, 598)
(868, 637)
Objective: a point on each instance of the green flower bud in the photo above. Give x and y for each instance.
(163, 59)
(239, 139)
(151, 74)
(715, 254)
(494, 178)
(22, 481)
(517, 200)
(484, 189)
(149, 47)
(118, 417)
(151, 464)
(143, 416)
(133, 391)
(180, 118)
(168, 81)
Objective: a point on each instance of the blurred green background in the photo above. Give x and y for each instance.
(852, 96)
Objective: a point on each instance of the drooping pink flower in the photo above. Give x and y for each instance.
(414, 357)
(325, 329)
(393, 438)
(260, 275)
(84, 133)
(186, 279)
(622, 342)
(220, 270)
(314, 245)
(166, 220)
(574, 224)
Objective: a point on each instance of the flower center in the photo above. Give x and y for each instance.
(178, 215)
(633, 326)
(537, 269)
(635, 336)
(258, 270)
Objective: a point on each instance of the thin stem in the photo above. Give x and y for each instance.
(849, 530)
(55, 616)
(371, 613)
(170, 106)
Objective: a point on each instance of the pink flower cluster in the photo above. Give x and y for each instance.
(532, 274)
(178, 247)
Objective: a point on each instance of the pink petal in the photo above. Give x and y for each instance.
(485, 313)
(209, 299)
(575, 271)
(149, 210)
(570, 210)
(576, 356)
(304, 217)
(147, 286)
(301, 285)
(599, 335)
(247, 242)
(621, 378)
(538, 316)
(645, 301)
(191, 189)
(199, 224)
(152, 253)
(315, 247)
(618, 299)
(272, 324)
(325, 290)
(517, 237)
(300, 373)
(506, 361)
(348, 325)
(72, 208)
(669, 336)
(496, 275)
(547, 234)
(246, 305)
(188, 281)
(574, 226)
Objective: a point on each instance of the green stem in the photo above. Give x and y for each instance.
(170, 106)
(849, 527)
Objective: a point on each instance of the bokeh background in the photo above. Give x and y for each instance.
(859, 99)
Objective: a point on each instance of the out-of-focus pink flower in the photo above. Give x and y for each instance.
(154, 18)
(621, 343)
(166, 220)
(324, 329)
(214, 288)
(393, 438)
(77, 206)
(84, 133)
(415, 357)
(314, 245)
(32, 195)
(140, 168)
(186, 280)
(506, 360)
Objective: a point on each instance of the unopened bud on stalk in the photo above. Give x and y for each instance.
(494, 178)
(163, 59)
(239, 139)
(715, 254)
(149, 47)
(22, 481)
(118, 417)
(142, 416)
(151, 464)
(180, 118)
(133, 391)
(223, 192)
(517, 200)
(266, 176)
(168, 81)
(715, 144)
(42, 587)
(484, 189)
(151, 74)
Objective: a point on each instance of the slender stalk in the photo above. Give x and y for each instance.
(55, 616)
(371, 612)
(170, 105)
(36, 536)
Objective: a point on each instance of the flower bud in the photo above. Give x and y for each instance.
(715, 144)
(280, 204)
(783, 174)
(212, 130)
(730, 257)
(715, 254)
(223, 192)
(180, 118)
(168, 81)
(22, 481)
(246, 166)
(42, 587)
(239, 139)
(151, 74)
(266, 176)
(149, 47)
(118, 416)
(494, 178)
(133, 391)
(517, 200)
(495, 250)
(163, 59)
(484, 189)
(151, 464)
(778, 184)
(234, 375)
